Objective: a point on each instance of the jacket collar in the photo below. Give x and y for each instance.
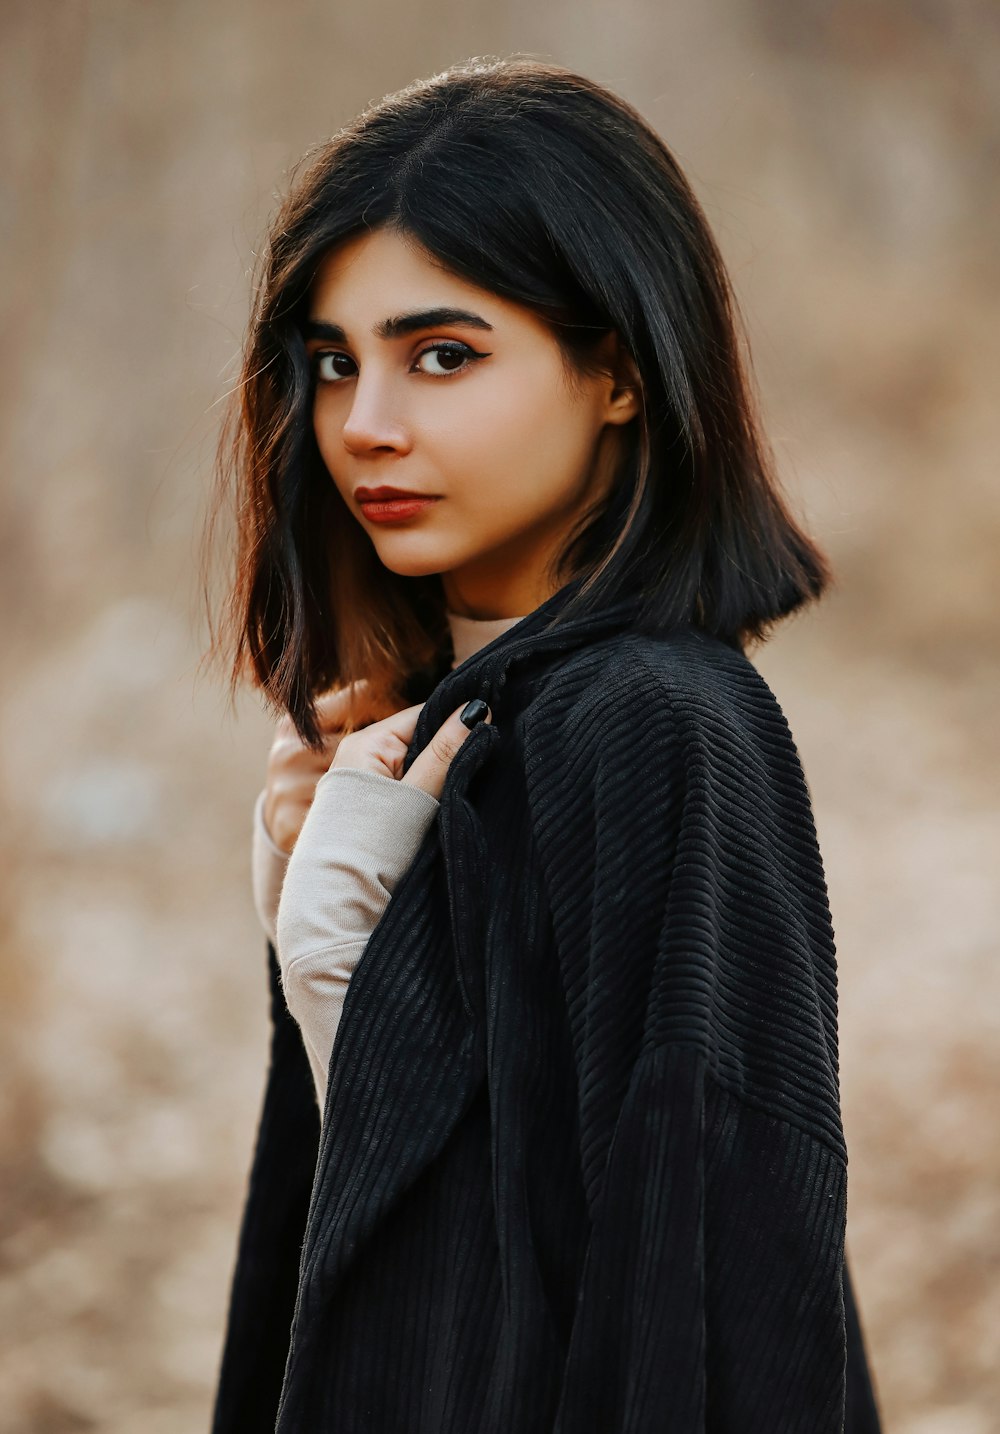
(555, 626)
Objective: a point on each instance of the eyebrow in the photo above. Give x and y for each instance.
(400, 325)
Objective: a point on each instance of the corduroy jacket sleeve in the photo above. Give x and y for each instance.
(265, 1279)
(679, 856)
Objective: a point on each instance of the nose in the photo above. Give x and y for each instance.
(373, 422)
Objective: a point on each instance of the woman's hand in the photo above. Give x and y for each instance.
(383, 746)
(293, 769)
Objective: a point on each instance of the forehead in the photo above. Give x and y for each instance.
(374, 268)
(372, 276)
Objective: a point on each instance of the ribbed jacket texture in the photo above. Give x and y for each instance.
(582, 1168)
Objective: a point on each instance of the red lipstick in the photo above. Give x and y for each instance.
(386, 504)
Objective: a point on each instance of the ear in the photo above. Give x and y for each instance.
(624, 386)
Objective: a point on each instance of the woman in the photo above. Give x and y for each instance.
(558, 1146)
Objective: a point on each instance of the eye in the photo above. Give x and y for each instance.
(329, 364)
(451, 354)
(324, 366)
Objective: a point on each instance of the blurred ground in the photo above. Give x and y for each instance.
(846, 154)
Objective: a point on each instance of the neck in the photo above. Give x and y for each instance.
(469, 634)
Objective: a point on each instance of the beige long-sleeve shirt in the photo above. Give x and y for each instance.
(320, 905)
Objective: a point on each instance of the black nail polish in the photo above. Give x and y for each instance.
(473, 712)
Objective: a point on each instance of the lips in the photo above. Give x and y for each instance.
(391, 505)
(384, 494)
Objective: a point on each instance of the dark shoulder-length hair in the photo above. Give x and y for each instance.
(547, 189)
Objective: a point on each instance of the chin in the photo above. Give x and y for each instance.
(413, 564)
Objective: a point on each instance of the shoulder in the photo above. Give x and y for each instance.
(683, 693)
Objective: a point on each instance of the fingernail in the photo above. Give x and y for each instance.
(473, 712)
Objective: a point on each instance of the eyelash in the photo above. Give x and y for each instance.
(453, 347)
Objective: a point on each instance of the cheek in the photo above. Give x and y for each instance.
(326, 424)
(518, 442)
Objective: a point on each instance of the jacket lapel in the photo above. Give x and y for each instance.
(409, 1056)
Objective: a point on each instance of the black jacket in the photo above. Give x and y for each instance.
(582, 1168)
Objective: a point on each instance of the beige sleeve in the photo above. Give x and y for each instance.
(267, 863)
(360, 834)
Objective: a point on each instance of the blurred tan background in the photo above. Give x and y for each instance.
(847, 157)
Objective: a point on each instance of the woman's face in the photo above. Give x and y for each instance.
(470, 406)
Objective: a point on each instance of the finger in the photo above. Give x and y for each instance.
(332, 707)
(430, 767)
(400, 724)
(382, 746)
